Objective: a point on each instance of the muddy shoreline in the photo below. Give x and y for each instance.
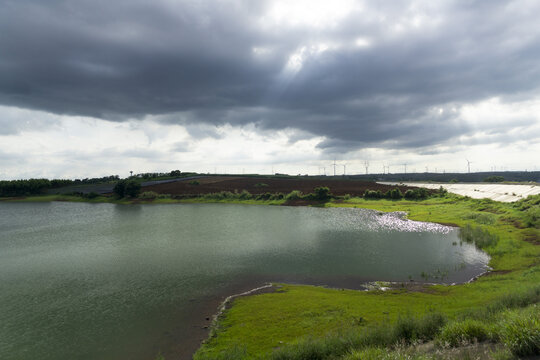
(207, 324)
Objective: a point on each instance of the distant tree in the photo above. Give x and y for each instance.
(133, 188)
(494, 178)
(120, 188)
(176, 173)
(125, 188)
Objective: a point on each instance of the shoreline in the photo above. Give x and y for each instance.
(375, 285)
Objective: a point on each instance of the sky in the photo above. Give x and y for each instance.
(91, 88)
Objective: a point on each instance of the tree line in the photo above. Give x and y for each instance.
(40, 186)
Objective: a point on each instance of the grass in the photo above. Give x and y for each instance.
(511, 332)
(282, 320)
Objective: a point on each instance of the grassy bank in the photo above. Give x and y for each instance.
(294, 319)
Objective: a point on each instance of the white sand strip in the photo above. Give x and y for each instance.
(497, 192)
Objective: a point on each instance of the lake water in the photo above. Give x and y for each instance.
(103, 281)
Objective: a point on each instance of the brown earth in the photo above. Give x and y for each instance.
(261, 185)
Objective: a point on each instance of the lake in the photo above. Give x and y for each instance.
(104, 281)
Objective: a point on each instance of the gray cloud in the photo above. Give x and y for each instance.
(194, 63)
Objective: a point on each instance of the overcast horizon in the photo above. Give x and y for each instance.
(94, 88)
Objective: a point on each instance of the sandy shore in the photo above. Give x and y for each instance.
(497, 192)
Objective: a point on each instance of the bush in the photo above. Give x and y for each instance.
(91, 195)
(409, 329)
(372, 194)
(442, 192)
(520, 332)
(194, 182)
(265, 196)
(419, 193)
(245, 195)
(463, 332)
(294, 195)
(147, 195)
(531, 217)
(394, 194)
(261, 185)
(322, 193)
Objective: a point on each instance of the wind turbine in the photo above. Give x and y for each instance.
(468, 166)
(344, 167)
(366, 164)
(334, 165)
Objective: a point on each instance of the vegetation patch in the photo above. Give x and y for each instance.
(307, 322)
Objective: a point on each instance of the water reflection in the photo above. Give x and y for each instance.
(97, 279)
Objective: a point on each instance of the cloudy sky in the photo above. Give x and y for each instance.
(94, 87)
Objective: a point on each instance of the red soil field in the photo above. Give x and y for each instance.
(260, 185)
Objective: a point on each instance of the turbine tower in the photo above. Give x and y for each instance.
(344, 168)
(334, 165)
(468, 166)
(366, 164)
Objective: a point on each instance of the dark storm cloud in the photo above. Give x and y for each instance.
(197, 62)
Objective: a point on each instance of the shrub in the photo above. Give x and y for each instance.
(520, 332)
(372, 194)
(394, 194)
(265, 196)
(409, 194)
(442, 192)
(194, 182)
(463, 332)
(409, 329)
(294, 195)
(532, 217)
(148, 195)
(322, 193)
(91, 195)
(419, 193)
(261, 185)
(245, 195)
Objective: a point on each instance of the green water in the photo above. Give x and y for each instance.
(102, 281)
